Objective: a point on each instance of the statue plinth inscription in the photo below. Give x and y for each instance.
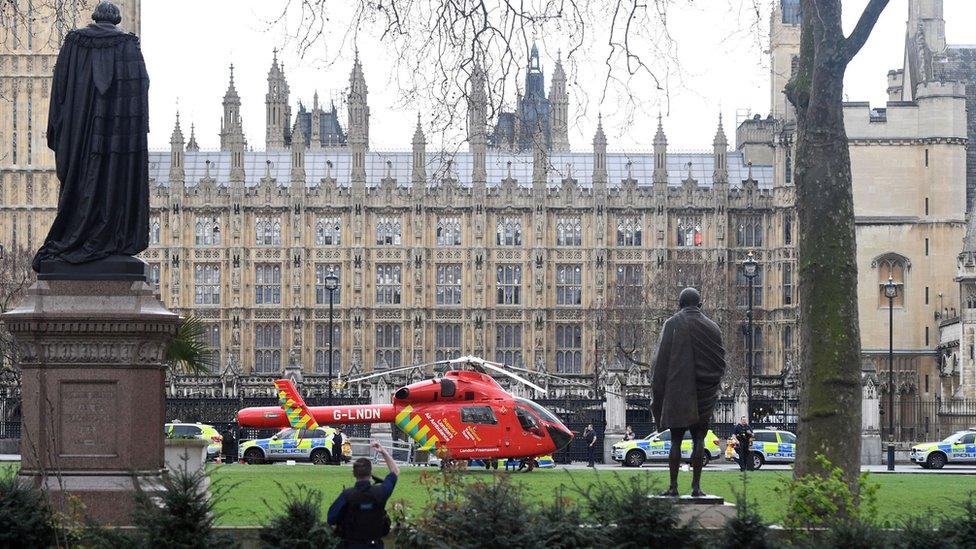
(86, 419)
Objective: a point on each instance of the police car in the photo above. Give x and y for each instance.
(770, 446)
(313, 445)
(958, 447)
(656, 446)
(202, 431)
(541, 462)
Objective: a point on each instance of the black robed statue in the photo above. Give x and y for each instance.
(689, 366)
(97, 127)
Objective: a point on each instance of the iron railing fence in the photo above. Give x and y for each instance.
(576, 413)
(926, 420)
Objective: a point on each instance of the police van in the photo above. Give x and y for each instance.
(959, 447)
(313, 445)
(656, 447)
(771, 446)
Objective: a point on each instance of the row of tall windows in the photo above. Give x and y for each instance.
(569, 232)
(388, 344)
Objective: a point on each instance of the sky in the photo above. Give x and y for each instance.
(722, 69)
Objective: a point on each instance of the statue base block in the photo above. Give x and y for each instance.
(115, 267)
(704, 512)
(92, 361)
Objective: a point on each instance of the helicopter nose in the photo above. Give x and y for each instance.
(560, 437)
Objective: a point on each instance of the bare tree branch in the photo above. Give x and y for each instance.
(857, 38)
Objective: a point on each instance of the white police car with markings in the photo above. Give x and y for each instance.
(771, 446)
(959, 447)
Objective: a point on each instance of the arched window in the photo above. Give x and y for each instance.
(508, 232)
(207, 231)
(569, 348)
(895, 266)
(788, 232)
(267, 348)
(749, 231)
(508, 344)
(569, 231)
(757, 347)
(971, 300)
(387, 231)
(628, 231)
(689, 232)
(387, 346)
(448, 231)
(267, 231)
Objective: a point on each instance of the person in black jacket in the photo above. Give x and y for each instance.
(337, 445)
(589, 437)
(359, 513)
(743, 438)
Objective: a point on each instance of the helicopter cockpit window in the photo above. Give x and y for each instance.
(546, 415)
(525, 418)
(478, 414)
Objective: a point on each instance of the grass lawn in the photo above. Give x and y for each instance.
(249, 489)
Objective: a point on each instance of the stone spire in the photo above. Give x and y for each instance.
(559, 101)
(720, 150)
(278, 112)
(600, 155)
(316, 122)
(358, 121)
(176, 160)
(192, 144)
(660, 154)
(297, 154)
(231, 129)
(540, 160)
(419, 173)
(477, 133)
(177, 136)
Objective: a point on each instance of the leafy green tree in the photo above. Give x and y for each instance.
(189, 352)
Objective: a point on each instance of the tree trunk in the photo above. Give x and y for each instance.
(830, 348)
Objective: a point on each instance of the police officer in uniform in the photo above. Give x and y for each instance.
(359, 513)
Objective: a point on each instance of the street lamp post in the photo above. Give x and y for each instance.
(750, 270)
(891, 290)
(331, 284)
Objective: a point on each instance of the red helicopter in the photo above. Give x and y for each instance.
(465, 414)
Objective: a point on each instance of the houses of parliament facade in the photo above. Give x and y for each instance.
(516, 249)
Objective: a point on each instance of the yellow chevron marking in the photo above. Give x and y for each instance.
(414, 421)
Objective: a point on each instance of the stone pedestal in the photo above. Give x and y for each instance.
(870, 416)
(708, 512)
(188, 454)
(615, 414)
(91, 354)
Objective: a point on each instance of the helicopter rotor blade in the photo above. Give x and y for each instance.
(552, 376)
(395, 370)
(516, 377)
